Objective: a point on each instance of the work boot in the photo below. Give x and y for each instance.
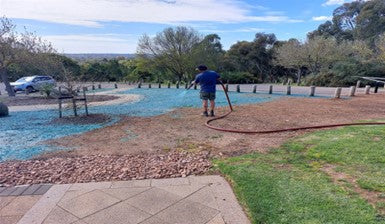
(205, 114)
(212, 113)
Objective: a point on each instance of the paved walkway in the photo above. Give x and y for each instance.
(190, 200)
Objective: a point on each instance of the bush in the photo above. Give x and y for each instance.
(3, 110)
(47, 89)
(238, 77)
(346, 73)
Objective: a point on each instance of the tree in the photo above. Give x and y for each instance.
(172, 49)
(253, 57)
(380, 45)
(357, 20)
(209, 52)
(18, 48)
(292, 55)
(371, 21)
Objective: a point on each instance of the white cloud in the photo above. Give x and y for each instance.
(92, 12)
(93, 43)
(333, 2)
(322, 18)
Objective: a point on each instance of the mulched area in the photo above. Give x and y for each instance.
(184, 128)
(35, 99)
(103, 168)
(155, 147)
(90, 119)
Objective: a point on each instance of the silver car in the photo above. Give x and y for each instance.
(32, 83)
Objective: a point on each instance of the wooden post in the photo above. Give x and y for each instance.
(169, 85)
(238, 88)
(288, 91)
(376, 87)
(271, 89)
(227, 87)
(149, 85)
(74, 106)
(337, 94)
(99, 86)
(312, 90)
(195, 86)
(60, 108)
(116, 85)
(352, 91)
(139, 85)
(358, 84)
(85, 101)
(93, 87)
(177, 85)
(367, 89)
(254, 88)
(160, 85)
(186, 85)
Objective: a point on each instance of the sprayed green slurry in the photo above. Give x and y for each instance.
(22, 133)
(287, 185)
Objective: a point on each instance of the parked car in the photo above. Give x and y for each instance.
(32, 83)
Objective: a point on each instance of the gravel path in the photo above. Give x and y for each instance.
(97, 168)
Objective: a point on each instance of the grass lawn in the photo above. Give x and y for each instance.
(292, 185)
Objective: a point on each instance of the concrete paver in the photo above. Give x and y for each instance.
(60, 216)
(191, 200)
(118, 213)
(154, 200)
(170, 182)
(125, 193)
(188, 212)
(4, 201)
(19, 206)
(131, 183)
(88, 203)
(217, 220)
(9, 219)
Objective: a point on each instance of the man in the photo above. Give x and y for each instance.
(207, 80)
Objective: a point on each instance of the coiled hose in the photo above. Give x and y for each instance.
(276, 130)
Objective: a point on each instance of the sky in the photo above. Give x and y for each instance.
(114, 26)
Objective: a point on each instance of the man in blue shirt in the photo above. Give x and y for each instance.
(207, 80)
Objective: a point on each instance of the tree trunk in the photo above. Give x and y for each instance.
(4, 78)
(299, 74)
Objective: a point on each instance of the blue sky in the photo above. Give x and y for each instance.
(114, 26)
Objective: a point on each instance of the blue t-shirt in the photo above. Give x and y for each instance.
(207, 80)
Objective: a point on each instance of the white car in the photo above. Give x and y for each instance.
(32, 83)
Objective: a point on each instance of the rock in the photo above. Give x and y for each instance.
(94, 168)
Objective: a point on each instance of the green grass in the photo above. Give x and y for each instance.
(287, 185)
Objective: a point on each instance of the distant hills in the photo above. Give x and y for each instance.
(85, 57)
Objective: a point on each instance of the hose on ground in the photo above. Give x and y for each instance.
(276, 130)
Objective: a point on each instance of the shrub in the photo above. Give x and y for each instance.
(3, 110)
(47, 89)
(238, 77)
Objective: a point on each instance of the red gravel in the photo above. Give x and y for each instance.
(102, 168)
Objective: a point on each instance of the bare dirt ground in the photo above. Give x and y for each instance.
(184, 129)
